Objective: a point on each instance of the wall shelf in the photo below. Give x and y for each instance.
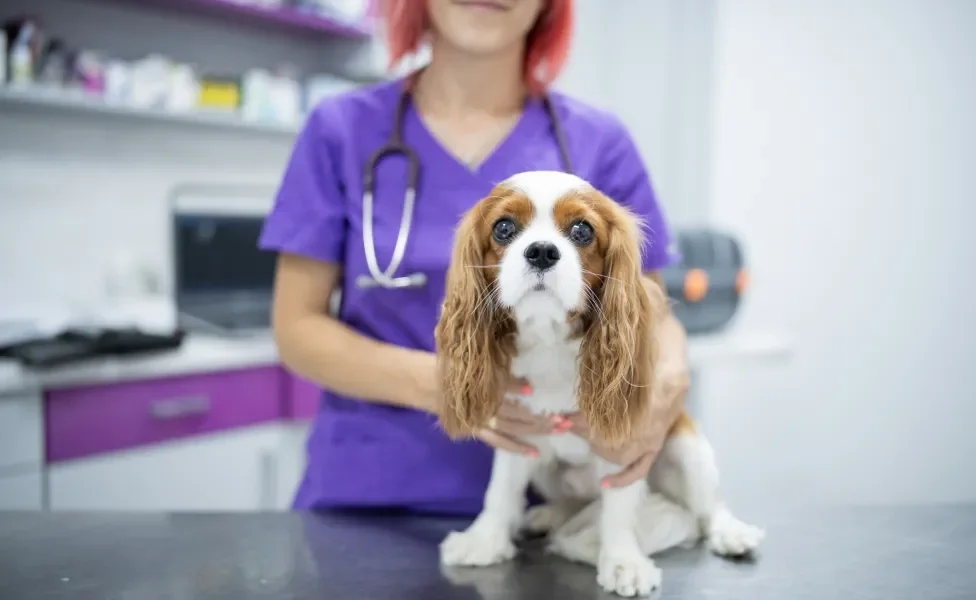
(283, 17)
(58, 101)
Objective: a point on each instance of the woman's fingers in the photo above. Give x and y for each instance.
(515, 420)
(519, 428)
(503, 442)
(578, 425)
(515, 411)
(635, 471)
(518, 386)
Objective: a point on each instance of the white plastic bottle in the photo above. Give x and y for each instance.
(21, 59)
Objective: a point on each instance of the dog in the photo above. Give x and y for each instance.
(545, 284)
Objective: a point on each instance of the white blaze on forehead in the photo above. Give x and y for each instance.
(545, 188)
(562, 282)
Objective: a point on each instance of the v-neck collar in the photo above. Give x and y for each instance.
(494, 167)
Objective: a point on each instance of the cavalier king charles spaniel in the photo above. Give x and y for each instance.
(545, 284)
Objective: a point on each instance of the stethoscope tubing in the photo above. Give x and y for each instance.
(384, 278)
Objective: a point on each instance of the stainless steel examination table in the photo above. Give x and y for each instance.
(925, 553)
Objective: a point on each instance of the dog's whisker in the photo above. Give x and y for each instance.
(595, 304)
(489, 296)
(602, 276)
(486, 296)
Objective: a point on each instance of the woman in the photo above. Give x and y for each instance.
(474, 116)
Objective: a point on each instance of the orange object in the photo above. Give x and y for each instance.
(741, 282)
(696, 285)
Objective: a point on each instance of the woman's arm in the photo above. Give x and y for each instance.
(326, 351)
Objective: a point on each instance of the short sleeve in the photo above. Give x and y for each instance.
(308, 216)
(623, 177)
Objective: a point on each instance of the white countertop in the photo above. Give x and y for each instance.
(203, 353)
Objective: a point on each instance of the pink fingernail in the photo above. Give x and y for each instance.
(533, 453)
(605, 484)
(556, 420)
(526, 390)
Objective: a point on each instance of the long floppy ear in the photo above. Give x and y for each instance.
(618, 352)
(471, 358)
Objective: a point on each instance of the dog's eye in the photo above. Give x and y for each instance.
(581, 233)
(504, 230)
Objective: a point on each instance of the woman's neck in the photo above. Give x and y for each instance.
(456, 83)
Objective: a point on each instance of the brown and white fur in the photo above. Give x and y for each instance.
(579, 326)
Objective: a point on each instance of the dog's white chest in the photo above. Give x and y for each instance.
(548, 358)
(550, 365)
(549, 361)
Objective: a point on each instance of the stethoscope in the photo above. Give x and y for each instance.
(395, 145)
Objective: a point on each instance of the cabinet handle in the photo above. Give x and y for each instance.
(177, 408)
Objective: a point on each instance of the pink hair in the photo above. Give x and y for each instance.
(547, 47)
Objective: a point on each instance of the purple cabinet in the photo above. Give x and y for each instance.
(104, 418)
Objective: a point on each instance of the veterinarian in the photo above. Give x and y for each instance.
(376, 183)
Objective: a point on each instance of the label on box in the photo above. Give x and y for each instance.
(220, 93)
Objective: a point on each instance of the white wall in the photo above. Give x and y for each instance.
(650, 61)
(845, 140)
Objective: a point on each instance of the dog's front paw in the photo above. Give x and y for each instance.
(477, 547)
(730, 537)
(628, 574)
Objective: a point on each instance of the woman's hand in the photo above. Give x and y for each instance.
(638, 456)
(514, 421)
(666, 403)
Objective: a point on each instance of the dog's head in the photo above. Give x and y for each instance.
(546, 245)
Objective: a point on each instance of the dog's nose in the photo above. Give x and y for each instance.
(542, 255)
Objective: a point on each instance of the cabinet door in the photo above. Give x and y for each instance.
(21, 431)
(21, 490)
(230, 471)
(291, 467)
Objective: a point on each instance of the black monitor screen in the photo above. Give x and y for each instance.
(219, 253)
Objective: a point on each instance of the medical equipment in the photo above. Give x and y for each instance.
(395, 145)
(707, 285)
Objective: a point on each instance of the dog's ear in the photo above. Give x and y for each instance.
(618, 352)
(471, 353)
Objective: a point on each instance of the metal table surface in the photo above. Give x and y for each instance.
(926, 553)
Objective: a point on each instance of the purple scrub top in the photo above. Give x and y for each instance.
(362, 454)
